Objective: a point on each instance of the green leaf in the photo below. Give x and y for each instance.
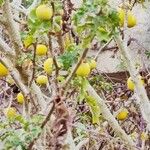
(68, 58)
(94, 108)
(1, 2)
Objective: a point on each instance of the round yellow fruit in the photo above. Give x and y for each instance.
(121, 14)
(42, 80)
(10, 112)
(131, 20)
(3, 70)
(83, 70)
(44, 12)
(130, 84)
(20, 98)
(122, 115)
(48, 66)
(92, 64)
(41, 50)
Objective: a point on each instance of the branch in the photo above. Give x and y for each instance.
(102, 48)
(22, 10)
(140, 90)
(111, 120)
(75, 68)
(15, 75)
(6, 49)
(2, 20)
(41, 101)
(14, 32)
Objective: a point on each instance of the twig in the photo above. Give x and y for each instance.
(42, 126)
(75, 69)
(14, 6)
(34, 65)
(102, 48)
(6, 49)
(14, 32)
(55, 62)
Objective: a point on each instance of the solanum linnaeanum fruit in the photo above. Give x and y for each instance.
(131, 20)
(20, 98)
(92, 64)
(83, 70)
(10, 112)
(48, 66)
(130, 83)
(44, 12)
(123, 114)
(3, 70)
(121, 14)
(41, 49)
(42, 80)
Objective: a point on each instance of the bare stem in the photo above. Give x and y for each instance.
(111, 119)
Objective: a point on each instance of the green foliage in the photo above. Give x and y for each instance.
(1, 2)
(100, 83)
(147, 54)
(37, 26)
(94, 15)
(26, 132)
(94, 108)
(69, 58)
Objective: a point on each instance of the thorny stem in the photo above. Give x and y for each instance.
(102, 48)
(55, 62)
(34, 65)
(65, 85)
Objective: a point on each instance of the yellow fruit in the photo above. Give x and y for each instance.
(130, 84)
(3, 70)
(92, 64)
(48, 66)
(41, 50)
(20, 98)
(44, 12)
(131, 20)
(122, 115)
(28, 41)
(10, 112)
(42, 80)
(83, 70)
(121, 14)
